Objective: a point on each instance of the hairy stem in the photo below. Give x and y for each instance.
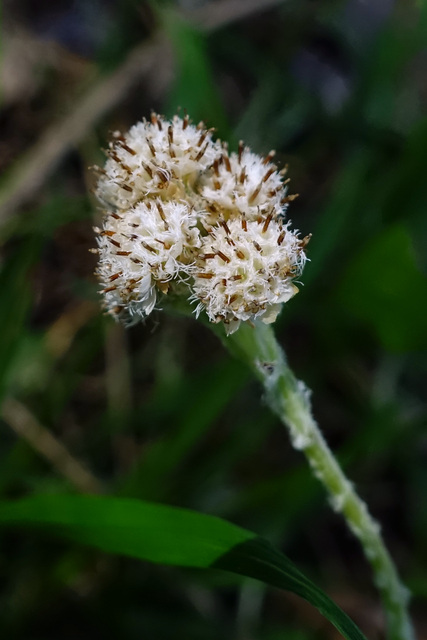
(289, 399)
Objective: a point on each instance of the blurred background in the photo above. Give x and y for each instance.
(161, 412)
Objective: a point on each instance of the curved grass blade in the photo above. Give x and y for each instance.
(169, 535)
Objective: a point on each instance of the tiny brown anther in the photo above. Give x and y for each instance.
(162, 214)
(127, 148)
(281, 238)
(97, 169)
(257, 246)
(147, 169)
(163, 176)
(225, 227)
(237, 277)
(223, 256)
(170, 134)
(160, 210)
(155, 119)
(201, 152)
(108, 232)
(108, 289)
(126, 187)
(304, 242)
(114, 242)
(115, 276)
(289, 198)
(123, 253)
(244, 225)
(240, 254)
(267, 222)
(185, 122)
(269, 157)
(151, 147)
(205, 276)
(148, 247)
(202, 138)
(240, 151)
(269, 173)
(226, 160)
(254, 194)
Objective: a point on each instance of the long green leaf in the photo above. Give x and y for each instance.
(173, 536)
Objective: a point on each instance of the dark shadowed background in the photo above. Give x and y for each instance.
(161, 412)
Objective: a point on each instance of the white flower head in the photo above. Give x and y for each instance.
(246, 269)
(245, 184)
(157, 158)
(141, 251)
(181, 209)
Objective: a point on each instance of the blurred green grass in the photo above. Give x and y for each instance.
(161, 412)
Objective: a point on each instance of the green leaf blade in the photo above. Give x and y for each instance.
(172, 536)
(143, 530)
(257, 559)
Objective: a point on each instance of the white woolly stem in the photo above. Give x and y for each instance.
(289, 399)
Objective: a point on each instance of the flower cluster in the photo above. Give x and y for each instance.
(182, 213)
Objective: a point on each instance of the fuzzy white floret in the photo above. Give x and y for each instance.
(153, 157)
(152, 243)
(241, 188)
(248, 270)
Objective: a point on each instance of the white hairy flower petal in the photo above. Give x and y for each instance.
(158, 158)
(246, 270)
